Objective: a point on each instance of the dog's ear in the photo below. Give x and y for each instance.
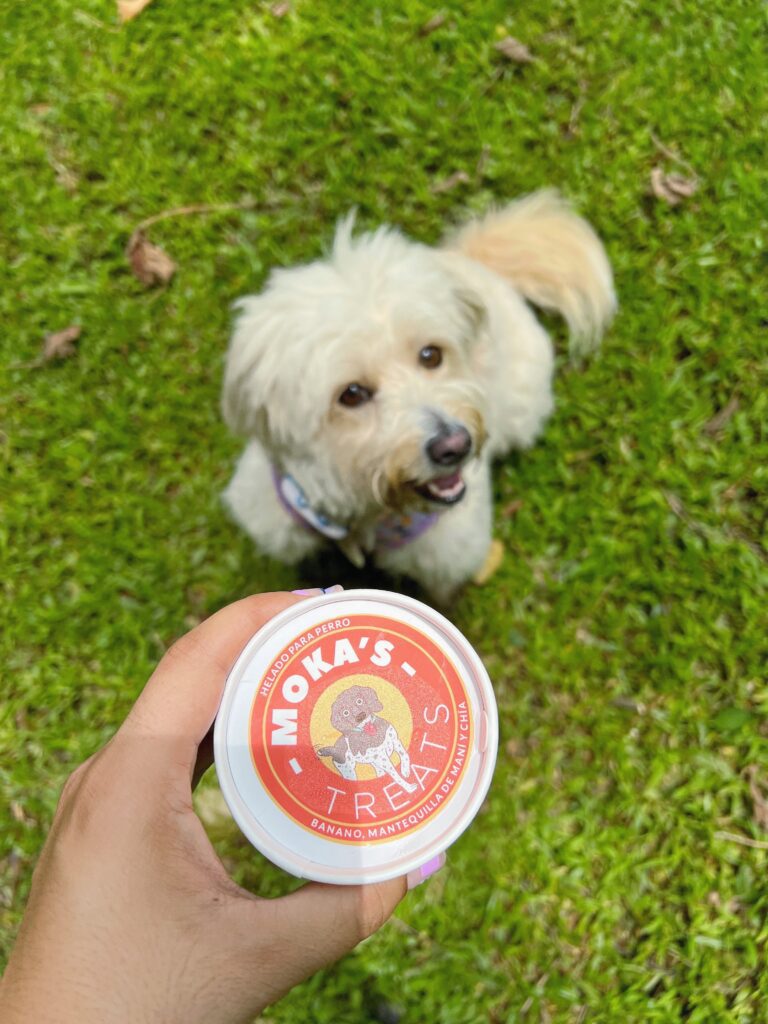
(250, 369)
(266, 377)
(468, 305)
(473, 309)
(373, 700)
(335, 716)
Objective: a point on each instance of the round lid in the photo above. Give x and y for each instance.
(356, 737)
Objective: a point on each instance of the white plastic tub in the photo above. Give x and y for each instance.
(356, 737)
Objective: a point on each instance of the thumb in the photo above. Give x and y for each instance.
(309, 929)
(339, 915)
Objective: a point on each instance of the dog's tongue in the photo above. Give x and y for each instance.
(370, 728)
(446, 486)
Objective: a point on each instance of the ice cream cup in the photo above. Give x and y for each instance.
(356, 737)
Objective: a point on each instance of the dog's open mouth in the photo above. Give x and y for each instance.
(445, 490)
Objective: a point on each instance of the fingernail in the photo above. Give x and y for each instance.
(419, 875)
(317, 591)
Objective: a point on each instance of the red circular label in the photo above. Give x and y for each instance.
(361, 728)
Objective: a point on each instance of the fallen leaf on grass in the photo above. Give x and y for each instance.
(483, 160)
(514, 50)
(676, 505)
(60, 344)
(280, 10)
(433, 24)
(515, 748)
(672, 188)
(446, 184)
(721, 417)
(629, 704)
(512, 508)
(127, 9)
(19, 814)
(759, 802)
(150, 263)
(732, 490)
(587, 639)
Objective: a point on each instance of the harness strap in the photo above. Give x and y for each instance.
(392, 532)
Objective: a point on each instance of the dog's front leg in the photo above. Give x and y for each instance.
(346, 769)
(395, 775)
(405, 761)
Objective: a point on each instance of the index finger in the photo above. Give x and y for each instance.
(181, 698)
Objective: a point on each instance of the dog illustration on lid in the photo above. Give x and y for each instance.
(365, 738)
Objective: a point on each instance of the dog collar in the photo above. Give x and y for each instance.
(393, 531)
(361, 728)
(294, 501)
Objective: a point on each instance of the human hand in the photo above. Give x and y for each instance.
(132, 917)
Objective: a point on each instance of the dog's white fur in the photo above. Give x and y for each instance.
(362, 315)
(380, 759)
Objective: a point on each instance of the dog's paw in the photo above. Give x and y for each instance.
(492, 562)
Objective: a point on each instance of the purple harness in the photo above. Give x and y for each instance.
(393, 531)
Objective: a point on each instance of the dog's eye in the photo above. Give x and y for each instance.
(359, 700)
(431, 356)
(346, 714)
(354, 395)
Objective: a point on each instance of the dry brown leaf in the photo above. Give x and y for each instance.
(434, 23)
(17, 811)
(514, 50)
(446, 184)
(60, 344)
(279, 10)
(721, 417)
(512, 508)
(151, 264)
(759, 802)
(672, 188)
(483, 160)
(676, 505)
(127, 9)
(64, 175)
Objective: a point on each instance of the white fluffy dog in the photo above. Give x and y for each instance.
(376, 386)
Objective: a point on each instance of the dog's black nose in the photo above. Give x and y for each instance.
(449, 447)
(362, 716)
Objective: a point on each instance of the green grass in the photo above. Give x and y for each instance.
(626, 629)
